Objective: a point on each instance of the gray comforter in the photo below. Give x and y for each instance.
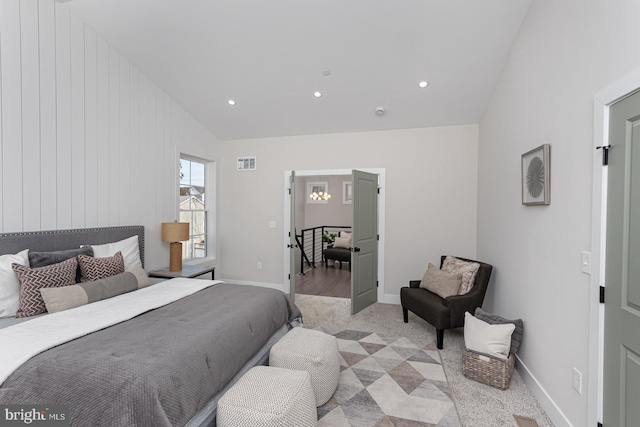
(157, 369)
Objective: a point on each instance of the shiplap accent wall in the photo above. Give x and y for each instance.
(86, 140)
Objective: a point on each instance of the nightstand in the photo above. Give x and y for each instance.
(189, 271)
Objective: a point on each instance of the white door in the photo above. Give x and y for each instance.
(364, 244)
(622, 274)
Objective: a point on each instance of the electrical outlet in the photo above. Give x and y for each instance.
(577, 381)
(272, 224)
(259, 265)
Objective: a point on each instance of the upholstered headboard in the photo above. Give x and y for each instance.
(56, 240)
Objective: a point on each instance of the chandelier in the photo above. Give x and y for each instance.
(320, 196)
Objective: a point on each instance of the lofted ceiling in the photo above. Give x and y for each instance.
(270, 56)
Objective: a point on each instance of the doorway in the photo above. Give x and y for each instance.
(622, 275)
(289, 259)
(323, 217)
(597, 327)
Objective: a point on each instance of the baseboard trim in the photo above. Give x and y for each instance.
(386, 298)
(390, 299)
(278, 286)
(550, 407)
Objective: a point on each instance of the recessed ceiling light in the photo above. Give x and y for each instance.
(317, 94)
(231, 102)
(326, 73)
(423, 84)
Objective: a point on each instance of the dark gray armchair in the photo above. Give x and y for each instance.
(444, 313)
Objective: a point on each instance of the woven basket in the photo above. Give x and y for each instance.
(488, 370)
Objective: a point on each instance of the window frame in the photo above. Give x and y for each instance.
(209, 243)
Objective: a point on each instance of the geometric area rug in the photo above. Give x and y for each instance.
(389, 382)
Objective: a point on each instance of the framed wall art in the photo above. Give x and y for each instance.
(535, 176)
(347, 192)
(318, 192)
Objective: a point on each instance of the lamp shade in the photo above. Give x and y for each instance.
(175, 231)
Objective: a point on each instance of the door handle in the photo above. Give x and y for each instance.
(356, 249)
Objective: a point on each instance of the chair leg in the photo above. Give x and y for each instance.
(439, 338)
(405, 315)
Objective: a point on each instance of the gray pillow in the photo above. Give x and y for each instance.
(42, 259)
(493, 319)
(66, 297)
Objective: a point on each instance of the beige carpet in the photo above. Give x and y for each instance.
(478, 405)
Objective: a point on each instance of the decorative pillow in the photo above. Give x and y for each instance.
(492, 319)
(41, 259)
(441, 283)
(492, 340)
(9, 283)
(342, 242)
(98, 268)
(66, 297)
(128, 247)
(141, 276)
(34, 279)
(469, 270)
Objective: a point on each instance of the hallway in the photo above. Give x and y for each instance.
(331, 281)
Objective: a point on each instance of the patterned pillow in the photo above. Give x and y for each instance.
(467, 269)
(98, 268)
(34, 279)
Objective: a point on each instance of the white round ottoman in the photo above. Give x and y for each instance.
(312, 351)
(269, 397)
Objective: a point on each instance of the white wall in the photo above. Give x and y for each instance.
(86, 139)
(430, 192)
(565, 53)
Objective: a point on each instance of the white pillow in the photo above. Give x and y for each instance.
(9, 283)
(128, 247)
(481, 337)
(342, 242)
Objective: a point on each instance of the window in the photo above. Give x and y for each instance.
(193, 207)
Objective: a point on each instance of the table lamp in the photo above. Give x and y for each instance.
(176, 233)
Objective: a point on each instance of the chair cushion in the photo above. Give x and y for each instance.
(428, 306)
(441, 282)
(339, 254)
(469, 270)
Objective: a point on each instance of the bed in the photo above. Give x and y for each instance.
(162, 355)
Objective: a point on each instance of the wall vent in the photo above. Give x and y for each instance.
(246, 163)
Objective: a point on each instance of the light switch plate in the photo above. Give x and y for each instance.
(272, 224)
(586, 262)
(577, 381)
